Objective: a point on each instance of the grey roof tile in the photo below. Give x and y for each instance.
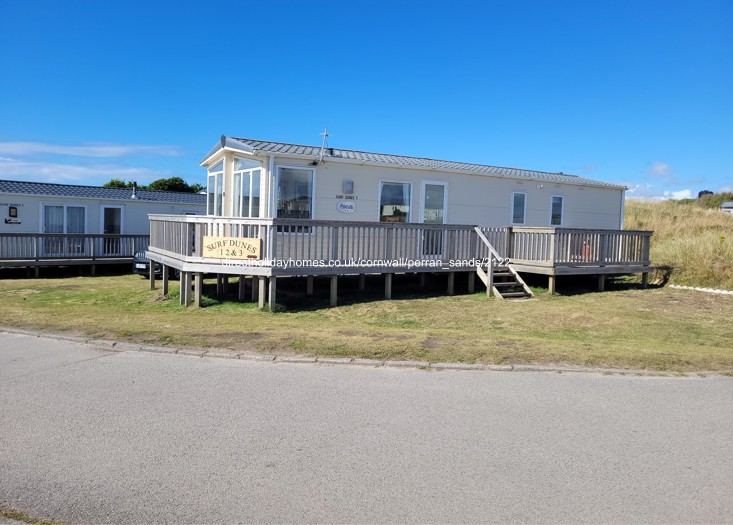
(255, 145)
(97, 192)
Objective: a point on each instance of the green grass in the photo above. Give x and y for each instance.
(657, 329)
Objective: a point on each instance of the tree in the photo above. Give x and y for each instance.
(117, 183)
(172, 184)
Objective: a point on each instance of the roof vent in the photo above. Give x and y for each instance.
(134, 190)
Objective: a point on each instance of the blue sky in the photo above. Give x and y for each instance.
(632, 92)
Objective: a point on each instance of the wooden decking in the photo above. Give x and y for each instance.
(36, 250)
(292, 247)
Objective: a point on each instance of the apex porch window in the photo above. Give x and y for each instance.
(294, 193)
(246, 194)
(394, 202)
(556, 211)
(215, 189)
(518, 207)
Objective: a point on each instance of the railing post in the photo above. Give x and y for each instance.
(490, 277)
(508, 240)
(602, 249)
(269, 236)
(389, 233)
(647, 244)
(334, 243)
(553, 247)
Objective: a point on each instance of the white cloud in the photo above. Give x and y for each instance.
(660, 168)
(73, 174)
(681, 194)
(91, 149)
(646, 191)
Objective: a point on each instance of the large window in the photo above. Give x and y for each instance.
(519, 201)
(394, 202)
(246, 185)
(64, 219)
(215, 189)
(294, 193)
(556, 211)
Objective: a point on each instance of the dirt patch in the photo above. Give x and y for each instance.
(22, 293)
(432, 343)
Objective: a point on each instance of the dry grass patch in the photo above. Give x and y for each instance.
(659, 329)
(696, 242)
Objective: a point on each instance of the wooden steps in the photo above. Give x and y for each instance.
(505, 283)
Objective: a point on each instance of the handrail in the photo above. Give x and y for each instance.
(487, 243)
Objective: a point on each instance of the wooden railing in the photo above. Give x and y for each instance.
(76, 246)
(342, 243)
(555, 247)
(336, 243)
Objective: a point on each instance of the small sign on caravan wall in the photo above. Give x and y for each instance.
(346, 206)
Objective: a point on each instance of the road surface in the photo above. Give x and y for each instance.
(88, 436)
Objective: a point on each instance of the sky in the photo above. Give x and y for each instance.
(638, 93)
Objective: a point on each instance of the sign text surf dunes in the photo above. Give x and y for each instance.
(231, 248)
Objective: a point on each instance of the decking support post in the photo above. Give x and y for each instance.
(362, 282)
(388, 286)
(471, 282)
(198, 285)
(219, 285)
(242, 291)
(490, 278)
(165, 280)
(185, 288)
(421, 280)
(255, 286)
(225, 281)
(272, 292)
(309, 285)
(334, 290)
(37, 272)
(645, 280)
(551, 284)
(151, 277)
(451, 283)
(601, 283)
(262, 285)
(93, 270)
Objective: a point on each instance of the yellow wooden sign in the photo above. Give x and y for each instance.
(231, 248)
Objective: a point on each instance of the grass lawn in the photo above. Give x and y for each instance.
(660, 329)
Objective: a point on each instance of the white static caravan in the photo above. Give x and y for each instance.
(57, 224)
(254, 178)
(320, 211)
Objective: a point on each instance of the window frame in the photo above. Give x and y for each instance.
(423, 190)
(562, 209)
(524, 209)
(276, 210)
(218, 178)
(65, 206)
(238, 197)
(382, 182)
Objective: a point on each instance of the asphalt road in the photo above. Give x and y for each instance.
(88, 436)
